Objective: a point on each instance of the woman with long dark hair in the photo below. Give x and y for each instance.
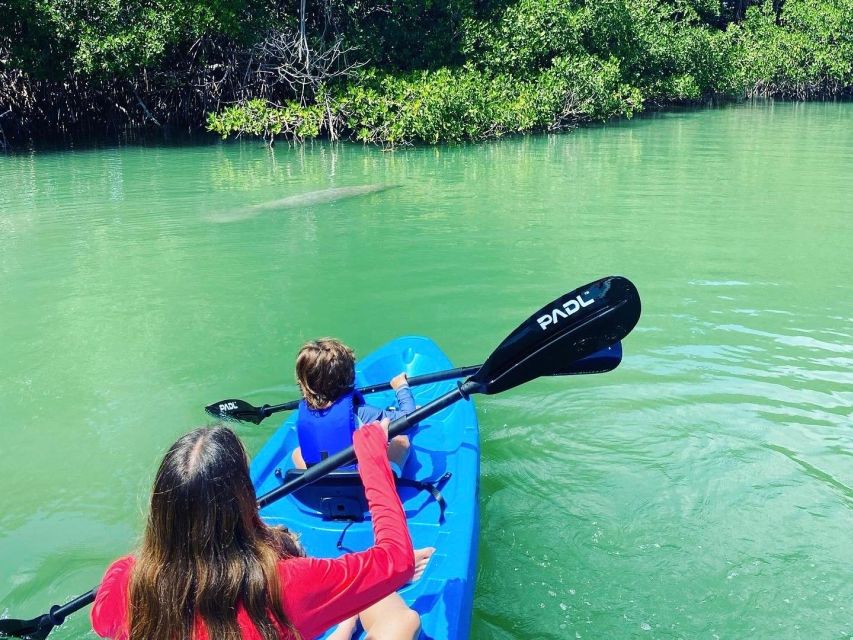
(209, 568)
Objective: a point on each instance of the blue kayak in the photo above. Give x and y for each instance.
(445, 454)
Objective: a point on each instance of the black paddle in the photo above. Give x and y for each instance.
(572, 327)
(601, 361)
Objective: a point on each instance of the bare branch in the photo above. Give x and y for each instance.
(285, 58)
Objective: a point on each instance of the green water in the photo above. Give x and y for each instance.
(702, 490)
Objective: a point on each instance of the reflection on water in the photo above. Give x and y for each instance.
(702, 489)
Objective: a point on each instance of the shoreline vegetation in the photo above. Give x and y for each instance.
(397, 72)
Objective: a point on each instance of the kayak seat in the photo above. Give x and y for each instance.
(336, 496)
(340, 494)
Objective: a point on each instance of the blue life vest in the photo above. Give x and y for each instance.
(325, 432)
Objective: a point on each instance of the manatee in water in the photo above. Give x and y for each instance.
(302, 200)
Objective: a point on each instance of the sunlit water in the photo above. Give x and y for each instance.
(704, 489)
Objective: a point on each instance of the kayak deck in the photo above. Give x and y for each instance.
(445, 442)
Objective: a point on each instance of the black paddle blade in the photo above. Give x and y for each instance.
(573, 326)
(233, 409)
(601, 361)
(35, 629)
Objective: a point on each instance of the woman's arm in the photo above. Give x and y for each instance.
(319, 593)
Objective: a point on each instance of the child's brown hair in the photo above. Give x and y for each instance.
(325, 370)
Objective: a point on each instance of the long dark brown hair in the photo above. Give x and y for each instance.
(205, 548)
(325, 370)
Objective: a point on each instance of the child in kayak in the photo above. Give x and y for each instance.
(209, 568)
(331, 410)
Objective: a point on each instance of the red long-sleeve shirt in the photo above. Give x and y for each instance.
(316, 593)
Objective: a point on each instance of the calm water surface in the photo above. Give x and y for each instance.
(702, 490)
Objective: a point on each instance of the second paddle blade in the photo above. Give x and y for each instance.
(234, 409)
(571, 327)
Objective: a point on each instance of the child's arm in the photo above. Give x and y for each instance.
(405, 403)
(405, 399)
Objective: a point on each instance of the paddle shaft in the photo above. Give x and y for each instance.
(439, 376)
(58, 614)
(602, 361)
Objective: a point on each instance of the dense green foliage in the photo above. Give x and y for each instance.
(466, 103)
(808, 55)
(259, 118)
(431, 70)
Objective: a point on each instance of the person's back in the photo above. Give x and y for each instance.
(331, 410)
(208, 567)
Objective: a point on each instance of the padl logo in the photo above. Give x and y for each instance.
(227, 406)
(569, 307)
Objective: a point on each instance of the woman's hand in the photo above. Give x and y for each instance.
(371, 443)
